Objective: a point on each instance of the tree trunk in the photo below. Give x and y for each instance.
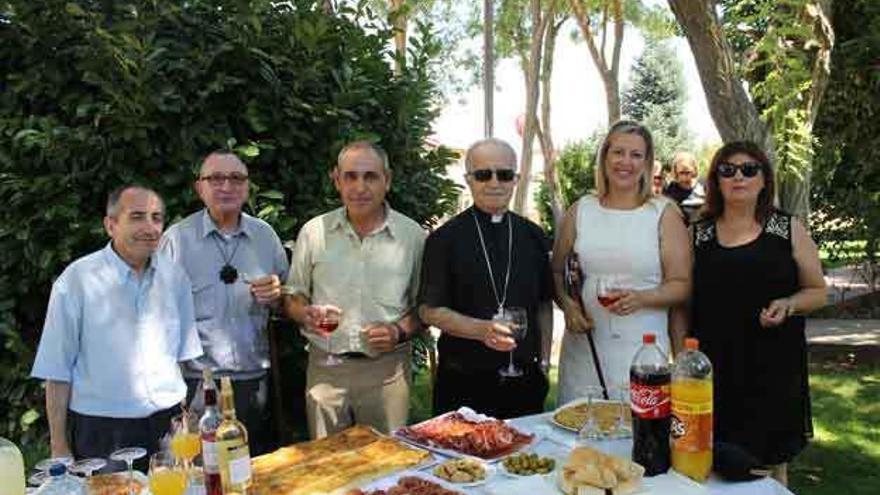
(545, 134)
(609, 74)
(732, 111)
(399, 23)
(531, 71)
(488, 68)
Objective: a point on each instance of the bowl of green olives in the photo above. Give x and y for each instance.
(527, 464)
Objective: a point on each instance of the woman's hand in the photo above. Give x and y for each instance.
(576, 320)
(628, 302)
(776, 312)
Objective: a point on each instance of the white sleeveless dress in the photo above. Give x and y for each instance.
(625, 242)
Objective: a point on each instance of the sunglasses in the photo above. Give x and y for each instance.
(485, 174)
(748, 169)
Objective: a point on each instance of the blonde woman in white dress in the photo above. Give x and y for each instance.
(626, 232)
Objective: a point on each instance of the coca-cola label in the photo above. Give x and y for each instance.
(650, 401)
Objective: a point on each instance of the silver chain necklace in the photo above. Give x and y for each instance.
(500, 300)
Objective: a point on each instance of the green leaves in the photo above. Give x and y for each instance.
(90, 99)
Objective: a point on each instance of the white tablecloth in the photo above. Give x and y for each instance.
(557, 443)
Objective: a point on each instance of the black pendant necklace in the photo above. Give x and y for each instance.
(228, 273)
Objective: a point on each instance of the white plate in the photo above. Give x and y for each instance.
(576, 402)
(488, 468)
(503, 469)
(471, 415)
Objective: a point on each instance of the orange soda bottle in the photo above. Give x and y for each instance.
(691, 429)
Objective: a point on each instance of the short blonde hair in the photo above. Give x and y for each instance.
(626, 127)
(684, 158)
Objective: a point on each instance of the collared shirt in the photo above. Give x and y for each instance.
(455, 276)
(374, 279)
(117, 337)
(231, 323)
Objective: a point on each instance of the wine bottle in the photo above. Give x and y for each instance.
(233, 454)
(208, 425)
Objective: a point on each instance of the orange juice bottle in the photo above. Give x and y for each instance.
(691, 429)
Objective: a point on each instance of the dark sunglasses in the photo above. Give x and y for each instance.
(748, 169)
(485, 174)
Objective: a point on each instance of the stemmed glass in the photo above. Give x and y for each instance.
(516, 319)
(328, 323)
(166, 475)
(185, 441)
(129, 455)
(608, 292)
(623, 424)
(88, 466)
(591, 429)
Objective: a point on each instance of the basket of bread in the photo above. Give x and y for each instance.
(591, 472)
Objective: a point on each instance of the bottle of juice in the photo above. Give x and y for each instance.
(691, 429)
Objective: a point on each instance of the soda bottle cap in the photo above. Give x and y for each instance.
(691, 344)
(649, 338)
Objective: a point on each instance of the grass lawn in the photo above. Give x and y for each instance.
(844, 456)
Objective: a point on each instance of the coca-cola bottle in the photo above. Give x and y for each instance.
(208, 424)
(649, 380)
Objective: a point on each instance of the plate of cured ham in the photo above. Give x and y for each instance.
(464, 433)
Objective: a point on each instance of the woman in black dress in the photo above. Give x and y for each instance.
(756, 273)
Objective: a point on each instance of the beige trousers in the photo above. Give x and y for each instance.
(367, 391)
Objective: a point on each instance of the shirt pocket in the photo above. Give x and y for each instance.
(204, 301)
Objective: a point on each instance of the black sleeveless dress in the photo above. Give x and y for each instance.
(762, 399)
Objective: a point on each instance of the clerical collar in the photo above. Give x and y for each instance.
(491, 217)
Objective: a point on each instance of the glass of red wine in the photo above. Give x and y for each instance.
(516, 319)
(608, 292)
(328, 323)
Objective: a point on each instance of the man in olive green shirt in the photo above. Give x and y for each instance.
(362, 259)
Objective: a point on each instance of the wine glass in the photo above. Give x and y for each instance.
(516, 319)
(167, 477)
(591, 429)
(86, 467)
(608, 292)
(185, 441)
(622, 424)
(129, 455)
(328, 323)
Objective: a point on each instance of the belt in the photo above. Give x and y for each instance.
(354, 355)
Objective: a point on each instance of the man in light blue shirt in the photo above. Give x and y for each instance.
(236, 263)
(119, 322)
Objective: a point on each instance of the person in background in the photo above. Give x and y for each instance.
(685, 188)
(362, 259)
(634, 244)
(119, 322)
(658, 178)
(756, 273)
(483, 260)
(235, 263)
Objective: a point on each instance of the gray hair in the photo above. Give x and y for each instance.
(499, 143)
(364, 145)
(116, 194)
(220, 152)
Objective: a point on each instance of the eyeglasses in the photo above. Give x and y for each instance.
(748, 169)
(485, 174)
(217, 180)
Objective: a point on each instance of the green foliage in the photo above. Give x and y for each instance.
(576, 169)
(94, 94)
(777, 45)
(656, 97)
(846, 179)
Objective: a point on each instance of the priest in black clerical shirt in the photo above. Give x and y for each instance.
(484, 260)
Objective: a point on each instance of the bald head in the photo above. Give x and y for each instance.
(490, 151)
(221, 159)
